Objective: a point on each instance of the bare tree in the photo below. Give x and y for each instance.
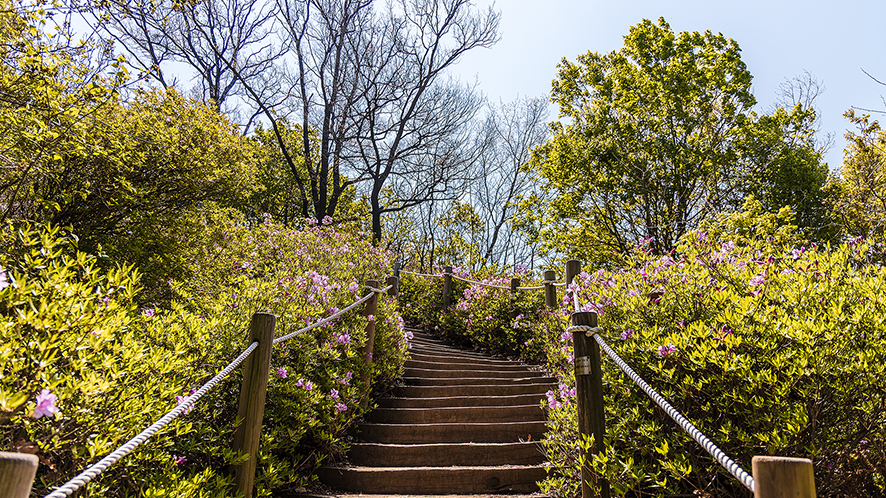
(208, 37)
(510, 132)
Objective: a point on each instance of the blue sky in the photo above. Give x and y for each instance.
(780, 39)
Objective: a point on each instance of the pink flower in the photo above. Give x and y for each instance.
(626, 334)
(343, 338)
(666, 350)
(757, 280)
(371, 318)
(282, 372)
(341, 407)
(300, 383)
(334, 394)
(181, 399)
(4, 282)
(353, 288)
(45, 404)
(179, 459)
(149, 312)
(327, 220)
(309, 385)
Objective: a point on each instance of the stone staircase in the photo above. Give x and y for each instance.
(464, 423)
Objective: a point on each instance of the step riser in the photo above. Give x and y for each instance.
(435, 481)
(476, 381)
(448, 353)
(473, 415)
(433, 373)
(487, 391)
(462, 360)
(445, 455)
(463, 365)
(451, 433)
(460, 401)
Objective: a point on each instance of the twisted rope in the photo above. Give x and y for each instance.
(88, 474)
(335, 315)
(587, 329)
(687, 426)
(534, 287)
(480, 283)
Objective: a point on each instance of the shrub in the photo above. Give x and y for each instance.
(111, 368)
(768, 346)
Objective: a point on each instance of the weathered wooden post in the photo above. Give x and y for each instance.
(573, 268)
(783, 477)
(394, 283)
(252, 400)
(369, 311)
(17, 471)
(550, 290)
(397, 269)
(447, 286)
(589, 398)
(515, 282)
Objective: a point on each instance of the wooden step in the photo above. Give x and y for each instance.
(473, 414)
(472, 390)
(461, 364)
(435, 480)
(452, 401)
(445, 454)
(478, 381)
(490, 432)
(469, 372)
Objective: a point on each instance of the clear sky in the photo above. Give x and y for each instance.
(780, 39)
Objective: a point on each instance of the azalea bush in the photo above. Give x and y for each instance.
(769, 345)
(83, 367)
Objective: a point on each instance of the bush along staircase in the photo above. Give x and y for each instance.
(463, 423)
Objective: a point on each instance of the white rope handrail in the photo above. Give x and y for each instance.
(480, 283)
(534, 287)
(97, 468)
(335, 315)
(687, 426)
(88, 474)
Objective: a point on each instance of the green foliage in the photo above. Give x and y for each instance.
(126, 176)
(661, 137)
(74, 329)
(861, 183)
(767, 346)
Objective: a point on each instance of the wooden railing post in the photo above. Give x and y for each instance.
(515, 282)
(370, 310)
(447, 286)
(394, 283)
(589, 398)
(550, 290)
(783, 477)
(252, 400)
(573, 268)
(397, 269)
(17, 471)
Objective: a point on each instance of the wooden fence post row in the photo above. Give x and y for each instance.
(252, 399)
(447, 286)
(515, 282)
(17, 471)
(589, 398)
(550, 290)
(783, 477)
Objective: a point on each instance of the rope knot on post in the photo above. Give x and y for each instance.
(587, 329)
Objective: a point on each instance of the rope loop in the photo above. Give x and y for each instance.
(587, 329)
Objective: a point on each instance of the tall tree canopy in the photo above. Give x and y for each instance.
(657, 139)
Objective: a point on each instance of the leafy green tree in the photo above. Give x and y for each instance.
(861, 182)
(124, 175)
(660, 136)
